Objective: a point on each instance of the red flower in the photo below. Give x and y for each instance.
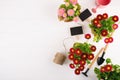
(77, 71)
(115, 18)
(95, 21)
(72, 50)
(81, 68)
(108, 68)
(115, 26)
(104, 32)
(105, 16)
(98, 25)
(76, 61)
(72, 66)
(71, 56)
(99, 17)
(106, 40)
(90, 56)
(78, 51)
(110, 39)
(84, 56)
(87, 36)
(102, 69)
(82, 62)
(93, 48)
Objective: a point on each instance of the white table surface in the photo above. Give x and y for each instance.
(30, 36)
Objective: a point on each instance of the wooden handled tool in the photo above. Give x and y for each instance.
(85, 73)
(100, 60)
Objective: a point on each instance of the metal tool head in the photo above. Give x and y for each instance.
(100, 60)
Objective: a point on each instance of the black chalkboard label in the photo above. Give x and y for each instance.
(76, 30)
(85, 14)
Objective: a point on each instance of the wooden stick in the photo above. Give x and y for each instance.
(77, 37)
(101, 50)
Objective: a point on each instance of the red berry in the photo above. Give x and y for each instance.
(90, 56)
(106, 40)
(115, 18)
(81, 68)
(72, 50)
(115, 26)
(77, 71)
(78, 51)
(102, 69)
(87, 36)
(95, 21)
(82, 62)
(72, 66)
(99, 17)
(71, 56)
(110, 39)
(108, 68)
(76, 61)
(105, 16)
(84, 56)
(93, 48)
(104, 32)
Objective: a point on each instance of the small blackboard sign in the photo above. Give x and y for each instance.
(85, 14)
(76, 30)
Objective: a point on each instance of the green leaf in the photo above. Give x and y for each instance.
(62, 6)
(67, 0)
(96, 70)
(70, 7)
(108, 60)
(85, 47)
(88, 61)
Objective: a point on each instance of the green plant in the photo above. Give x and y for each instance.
(103, 26)
(108, 71)
(69, 11)
(80, 54)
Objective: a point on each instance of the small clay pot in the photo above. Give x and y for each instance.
(59, 58)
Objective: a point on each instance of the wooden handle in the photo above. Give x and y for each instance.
(106, 46)
(101, 50)
(77, 37)
(88, 20)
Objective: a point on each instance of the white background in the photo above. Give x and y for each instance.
(31, 34)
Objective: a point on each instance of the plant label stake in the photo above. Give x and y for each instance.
(85, 73)
(85, 15)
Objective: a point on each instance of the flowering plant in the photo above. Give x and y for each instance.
(80, 54)
(103, 26)
(69, 11)
(108, 71)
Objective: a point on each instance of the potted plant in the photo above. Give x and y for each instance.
(81, 54)
(69, 11)
(103, 26)
(108, 71)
